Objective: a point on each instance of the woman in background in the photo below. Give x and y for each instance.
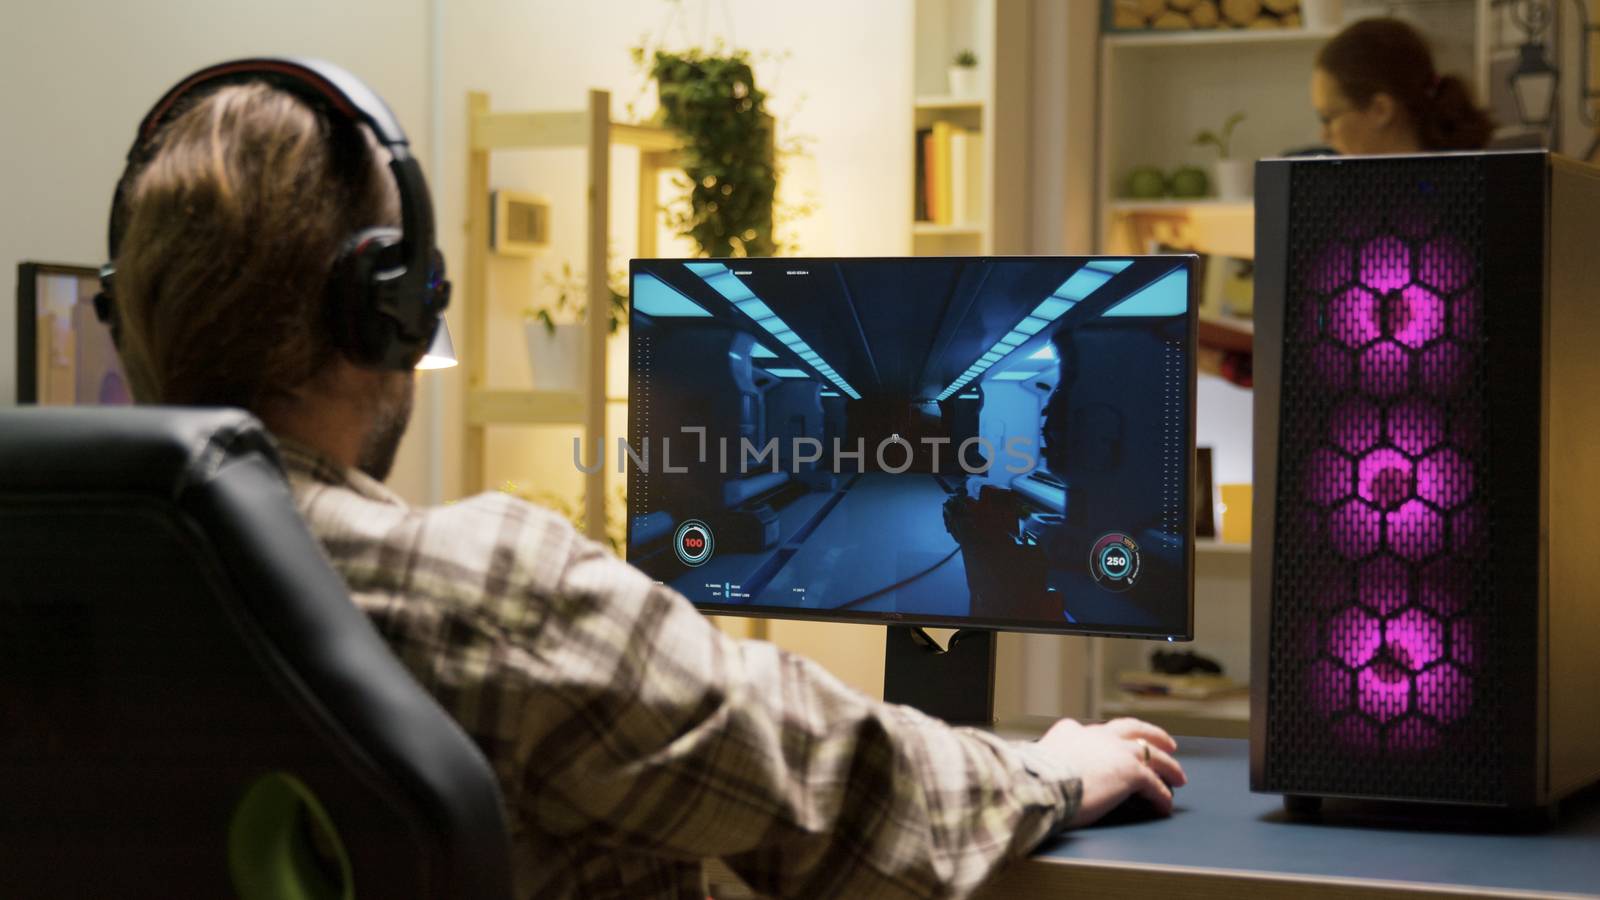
(1376, 91)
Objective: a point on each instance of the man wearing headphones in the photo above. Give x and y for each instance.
(255, 262)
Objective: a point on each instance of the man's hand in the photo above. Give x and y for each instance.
(1111, 762)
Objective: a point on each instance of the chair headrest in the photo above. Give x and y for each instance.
(138, 449)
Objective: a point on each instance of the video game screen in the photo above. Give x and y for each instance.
(958, 442)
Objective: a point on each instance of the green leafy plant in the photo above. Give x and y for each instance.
(711, 99)
(572, 299)
(1221, 140)
(966, 59)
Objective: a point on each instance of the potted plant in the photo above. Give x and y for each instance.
(729, 157)
(964, 75)
(555, 331)
(1233, 176)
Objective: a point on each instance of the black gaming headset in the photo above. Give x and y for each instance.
(388, 288)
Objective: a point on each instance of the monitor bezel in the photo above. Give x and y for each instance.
(1188, 260)
(27, 340)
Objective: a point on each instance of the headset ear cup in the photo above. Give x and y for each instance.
(361, 330)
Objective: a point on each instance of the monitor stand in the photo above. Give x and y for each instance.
(954, 684)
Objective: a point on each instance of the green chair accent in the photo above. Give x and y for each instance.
(283, 846)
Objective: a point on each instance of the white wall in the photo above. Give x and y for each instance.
(77, 75)
(1223, 415)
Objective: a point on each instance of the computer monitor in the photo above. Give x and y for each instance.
(1000, 443)
(64, 354)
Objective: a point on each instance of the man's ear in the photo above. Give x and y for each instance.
(1383, 110)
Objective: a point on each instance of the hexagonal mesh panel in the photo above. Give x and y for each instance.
(1384, 676)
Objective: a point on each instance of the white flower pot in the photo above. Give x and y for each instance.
(1234, 178)
(1321, 15)
(963, 81)
(556, 360)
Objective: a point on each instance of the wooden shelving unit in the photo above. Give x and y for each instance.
(1219, 227)
(593, 131)
(1216, 36)
(996, 117)
(1158, 89)
(933, 102)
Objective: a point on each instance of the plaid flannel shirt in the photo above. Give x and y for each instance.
(633, 739)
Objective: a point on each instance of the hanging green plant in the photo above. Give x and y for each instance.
(711, 99)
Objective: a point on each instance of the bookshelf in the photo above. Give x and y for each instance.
(974, 202)
(592, 131)
(1158, 88)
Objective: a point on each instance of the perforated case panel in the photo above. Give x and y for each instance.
(1387, 644)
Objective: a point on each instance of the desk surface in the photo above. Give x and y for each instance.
(1223, 840)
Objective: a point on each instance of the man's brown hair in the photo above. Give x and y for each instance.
(229, 233)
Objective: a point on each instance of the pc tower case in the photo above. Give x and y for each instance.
(1426, 581)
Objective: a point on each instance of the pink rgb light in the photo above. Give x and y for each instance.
(1413, 639)
(1385, 264)
(1401, 319)
(1385, 369)
(1353, 528)
(1383, 691)
(1415, 531)
(1353, 317)
(1385, 478)
(1354, 637)
(1414, 426)
(1444, 479)
(1444, 693)
(1415, 316)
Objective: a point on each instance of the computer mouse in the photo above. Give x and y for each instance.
(1137, 808)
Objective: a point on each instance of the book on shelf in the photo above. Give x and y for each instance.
(949, 175)
(924, 213)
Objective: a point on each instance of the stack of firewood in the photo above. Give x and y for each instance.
(1179, 15)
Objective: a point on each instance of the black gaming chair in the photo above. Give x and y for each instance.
(190, 705)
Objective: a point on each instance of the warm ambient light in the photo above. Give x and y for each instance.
(442, 352)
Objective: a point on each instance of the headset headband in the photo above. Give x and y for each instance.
(340, 95)
(324, 86)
